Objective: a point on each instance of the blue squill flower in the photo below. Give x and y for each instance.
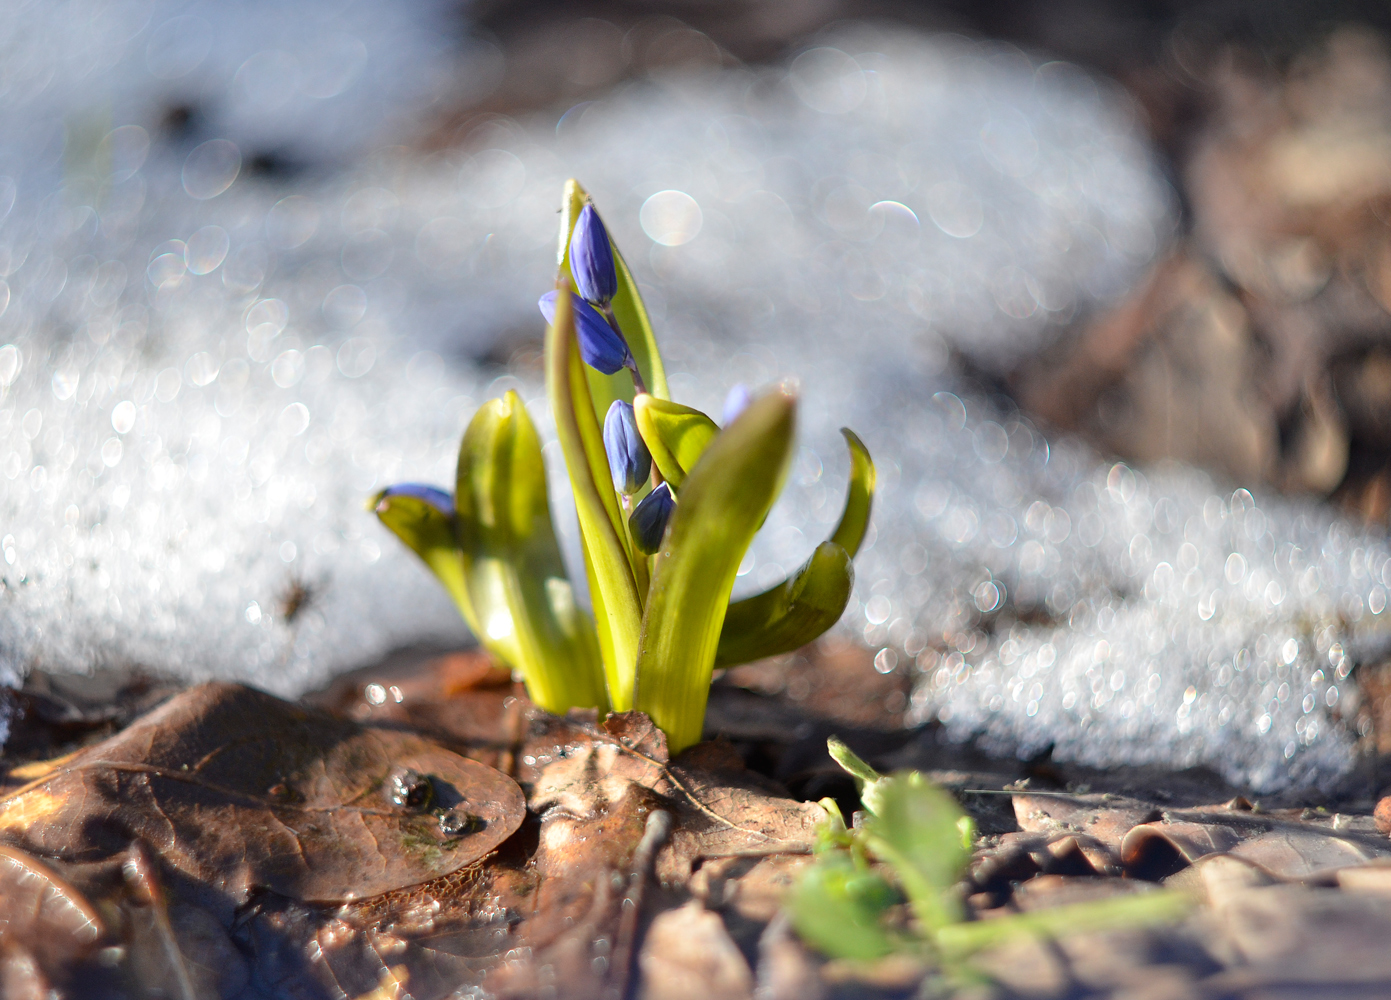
(736, 402)
(591, 258)
(433, 495)
(629, 460)
(600, 345)
(649, 520)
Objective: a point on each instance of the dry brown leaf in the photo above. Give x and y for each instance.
(688, 955)
(43, 914)
(239, 789)
(1285, 849)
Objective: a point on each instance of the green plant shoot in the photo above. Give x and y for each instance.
(668, 504)
(914, 842)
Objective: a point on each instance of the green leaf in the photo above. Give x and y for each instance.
(790, 615)
(837, 910)
(802, 607)
(859, 496)
(723, 501)
(628, 310)
(429, 533)
(608, 558)
(914, 826)
(851, 763)
(1138, 910)
(512, 565)
(676, 435)
(868, 781)
(832, 835)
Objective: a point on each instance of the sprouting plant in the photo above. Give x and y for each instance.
(922, 840)
(668, 504)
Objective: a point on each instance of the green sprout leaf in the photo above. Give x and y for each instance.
(838, 908)
(676, 435)
(628, 310)
(925, 839)
(1138, 910)
(802, 607)
(723, 501)
(854, 765)
(868, 781)
(429, 533)
(608, 558)
(512, 566)
(916, 827)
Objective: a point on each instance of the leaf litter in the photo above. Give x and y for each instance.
(160, 861)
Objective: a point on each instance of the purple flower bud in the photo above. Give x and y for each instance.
(649, 520)
(736, 402)
(433, 495)
(600, 345)
(629, 460)
(591, 258)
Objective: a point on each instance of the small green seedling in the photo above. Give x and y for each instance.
(668, 502)
(844, 904)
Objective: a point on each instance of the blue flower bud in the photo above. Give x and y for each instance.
(649, 520)
(736, 402)
(629, 460)
(600, 345)
(432, 495)
(591, 258)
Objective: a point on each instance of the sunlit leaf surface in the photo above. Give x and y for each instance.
(512, 566)
(722, 503)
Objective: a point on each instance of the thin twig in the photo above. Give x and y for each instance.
(625, 948)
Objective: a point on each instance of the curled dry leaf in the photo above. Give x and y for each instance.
(1148, 844)
(43, 914)
(1296, 851)
(238, 789)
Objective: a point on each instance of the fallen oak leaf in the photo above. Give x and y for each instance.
(239, 789)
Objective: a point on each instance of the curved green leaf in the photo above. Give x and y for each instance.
(628, 310)
(676, 435)
(723, 501)
(512, 566)
(802, 607)
(429, 533)
(790, 615)
(608, 559)
(859, 496)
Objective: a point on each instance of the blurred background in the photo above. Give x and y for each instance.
(1105, 287)
(1256, 345)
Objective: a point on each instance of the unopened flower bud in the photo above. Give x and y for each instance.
(432, 495)
(649, 520)
(629, 460)
(591, 258)
(600, 345)
(736, 402)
